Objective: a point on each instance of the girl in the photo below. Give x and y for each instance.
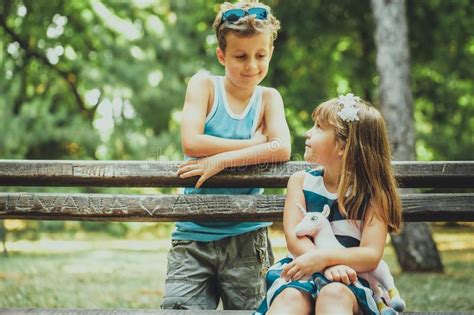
(350, 144)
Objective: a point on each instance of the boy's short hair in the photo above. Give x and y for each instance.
(246, 26)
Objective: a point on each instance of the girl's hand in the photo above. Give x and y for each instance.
(341, 273)
(304, 266)
(204, 167)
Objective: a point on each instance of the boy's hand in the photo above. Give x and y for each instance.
(341, 273)
(259, 137)
(204, 167)
(304, 266)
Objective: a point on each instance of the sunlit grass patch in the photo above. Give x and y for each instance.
(130, 274)
(97, 278)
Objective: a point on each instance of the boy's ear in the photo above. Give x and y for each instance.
(220, 56)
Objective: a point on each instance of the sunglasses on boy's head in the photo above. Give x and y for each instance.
(234, 15)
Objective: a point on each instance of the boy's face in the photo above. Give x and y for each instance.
(246, 59)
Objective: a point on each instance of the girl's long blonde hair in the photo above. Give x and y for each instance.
(366, 174)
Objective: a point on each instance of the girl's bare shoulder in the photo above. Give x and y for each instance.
(296, 179)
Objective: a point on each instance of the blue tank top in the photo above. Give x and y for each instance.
(222, 122)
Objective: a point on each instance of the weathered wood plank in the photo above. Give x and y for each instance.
(107, 207)
(450, 174)
(78, 311)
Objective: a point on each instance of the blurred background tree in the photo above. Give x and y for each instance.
(415, 247)
(106, 79)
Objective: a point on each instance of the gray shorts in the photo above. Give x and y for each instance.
(232, 269)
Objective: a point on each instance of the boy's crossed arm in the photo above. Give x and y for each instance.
(278, 146)
(218, 153)
(195, 143)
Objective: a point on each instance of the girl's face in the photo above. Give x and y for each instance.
(246, 59)
(321, 146)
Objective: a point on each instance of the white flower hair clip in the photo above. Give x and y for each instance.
(348, 112)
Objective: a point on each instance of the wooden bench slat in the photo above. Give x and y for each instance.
(449, 174)
(449, 207)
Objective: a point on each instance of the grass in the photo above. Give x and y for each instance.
(97, 278)
(127, 274)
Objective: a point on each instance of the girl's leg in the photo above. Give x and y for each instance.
(336, 298)
(291, 301)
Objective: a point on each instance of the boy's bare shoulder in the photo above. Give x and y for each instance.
(271, 96)
(270, 93)
(201, 79)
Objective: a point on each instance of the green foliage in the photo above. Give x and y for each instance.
(117, 229)
(327, 48)
(442, 71)
(324, 49)
(106, 80)
(87, 80)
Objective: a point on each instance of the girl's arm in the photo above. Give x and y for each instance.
(362, 259)
(291, 216)
(370, 251)
(277, 149)
(195, 143)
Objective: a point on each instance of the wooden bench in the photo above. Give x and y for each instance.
(418, 207)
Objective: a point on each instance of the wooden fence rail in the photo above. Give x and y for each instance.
(450, 206)
(428, 207)
(105, 207)
(452, 174)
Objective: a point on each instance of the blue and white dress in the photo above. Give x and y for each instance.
(347, 233)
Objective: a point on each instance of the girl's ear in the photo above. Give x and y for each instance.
(341, 147)
(220, 56)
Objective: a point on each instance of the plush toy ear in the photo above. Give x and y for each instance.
(326, 210)
(301, 208)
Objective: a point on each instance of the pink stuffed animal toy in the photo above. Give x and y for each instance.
(317, 226)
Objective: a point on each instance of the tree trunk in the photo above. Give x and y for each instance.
(415, 247)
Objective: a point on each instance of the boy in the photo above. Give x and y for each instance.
(227, 122)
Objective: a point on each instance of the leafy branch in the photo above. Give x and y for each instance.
(68, 76)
